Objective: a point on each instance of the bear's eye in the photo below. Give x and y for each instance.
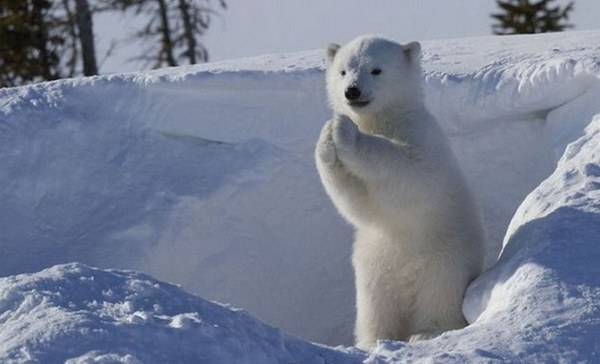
(376, 71)
(343, 73)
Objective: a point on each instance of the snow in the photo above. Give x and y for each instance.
(76, 314)
(204, 176)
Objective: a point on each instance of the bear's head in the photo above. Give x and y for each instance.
(371, 75)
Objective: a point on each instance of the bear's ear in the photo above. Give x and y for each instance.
(331, 51)
(412, 51)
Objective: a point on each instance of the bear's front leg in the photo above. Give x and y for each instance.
(326, 154)
(344, 134)
(368, 157)
(346, 191)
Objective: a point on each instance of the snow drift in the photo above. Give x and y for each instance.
(204, 176)
(76, 314)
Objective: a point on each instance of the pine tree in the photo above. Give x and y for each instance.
(194, 20)
(530, 16)
(29, 48)
(50, 39)
(174, 29)
(43, 40)
(83, 19)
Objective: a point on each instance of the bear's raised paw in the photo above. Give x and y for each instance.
(344, 134)
(325, 147)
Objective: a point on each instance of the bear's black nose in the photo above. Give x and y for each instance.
(352, 93)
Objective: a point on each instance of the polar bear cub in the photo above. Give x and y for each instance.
(388, 168)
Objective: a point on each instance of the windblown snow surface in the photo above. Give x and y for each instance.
(204, 176)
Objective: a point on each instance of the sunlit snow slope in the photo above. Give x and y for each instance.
(77, 314)
(204, 176)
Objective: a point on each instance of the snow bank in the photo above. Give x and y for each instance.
(540, 303)
(205, 179)
(76, 314)
(204, 176)
(545, 287)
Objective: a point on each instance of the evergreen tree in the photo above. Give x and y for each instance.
(43, 40)
(174, 29)
(530, 16)
(29, 49)
(83, 19)
(50, 39)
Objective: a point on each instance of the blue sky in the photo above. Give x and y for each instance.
(253, 27)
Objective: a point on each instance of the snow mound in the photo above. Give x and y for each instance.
(540, 302)
(204, 179)
(76, 314)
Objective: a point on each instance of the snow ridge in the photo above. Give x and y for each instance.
(76, 314)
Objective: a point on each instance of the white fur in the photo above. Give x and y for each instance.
(389, 170)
